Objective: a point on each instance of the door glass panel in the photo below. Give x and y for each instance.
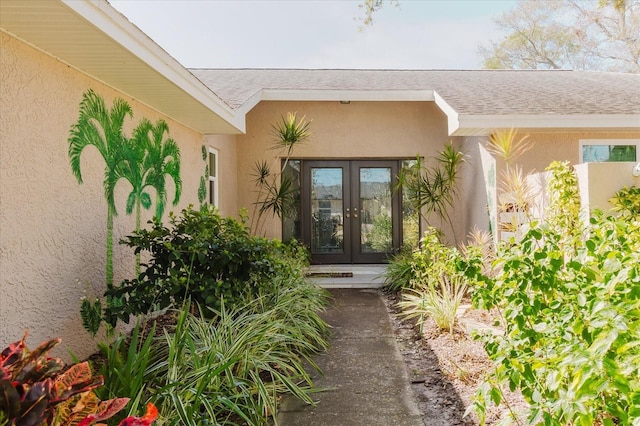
(375, 210)
(326, 210)
(410, 216)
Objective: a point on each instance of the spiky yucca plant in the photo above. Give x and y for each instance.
(276, 191)
(433, 189)
(508, 145)
(439, 302)
(516, 194)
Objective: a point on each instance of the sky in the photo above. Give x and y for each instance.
(418, 34)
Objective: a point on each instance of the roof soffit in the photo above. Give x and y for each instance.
(94, 38)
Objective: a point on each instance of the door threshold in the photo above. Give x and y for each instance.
(362, 275)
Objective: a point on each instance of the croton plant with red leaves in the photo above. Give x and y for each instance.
(36, 389)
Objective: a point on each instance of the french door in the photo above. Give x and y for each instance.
(350, 212)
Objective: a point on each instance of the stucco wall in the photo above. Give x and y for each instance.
(600, 181)
(546, 147)
(551, 146)
(227, 183)
(478, 188)
(52, 229)
(359, 130)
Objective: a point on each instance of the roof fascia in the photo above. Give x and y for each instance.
(474, 125)
(334, 95)
(111, 22)
(347, 95)
(250, 103)
(453, 118)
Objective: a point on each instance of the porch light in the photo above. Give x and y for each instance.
(636, 170)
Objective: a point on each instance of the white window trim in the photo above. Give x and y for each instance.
(213, 178)
(588, 142)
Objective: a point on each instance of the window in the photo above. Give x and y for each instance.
(606, 150)
(213, 177)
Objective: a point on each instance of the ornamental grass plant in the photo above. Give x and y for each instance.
(433, 285)
(236, 364)
(229, 366)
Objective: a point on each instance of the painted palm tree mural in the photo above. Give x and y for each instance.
(144, 160)
(162, 162)
(150, 157)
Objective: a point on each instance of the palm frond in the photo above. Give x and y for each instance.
(261, 171)
(131, 202)
(507, 145)
(517, 194)
(291, 131)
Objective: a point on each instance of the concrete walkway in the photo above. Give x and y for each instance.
(365, 378)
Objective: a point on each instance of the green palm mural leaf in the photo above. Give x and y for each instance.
(163, 160)
(145, 200)
(131, 202)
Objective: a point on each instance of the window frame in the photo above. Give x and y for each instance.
(213, 177)
(607, 142)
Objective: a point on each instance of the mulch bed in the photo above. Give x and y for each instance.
(445, 369)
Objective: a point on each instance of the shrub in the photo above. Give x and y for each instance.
(627, 202)
(432, 261)
(126, 366)
(202, 257)
(399, 271)
(572, 324)
(439, 303)
(563, 213)
(235, 366)
(37, 389)
(228, 369)
(433, 281)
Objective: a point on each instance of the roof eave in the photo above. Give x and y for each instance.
(346, 95)
(342, 95)
(130, 37)
(169, 87)
(481, 125)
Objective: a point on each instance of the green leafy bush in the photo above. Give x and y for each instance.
(203, 257)
(572, 340)
(627, 202)
(563, 213)
(432, 261)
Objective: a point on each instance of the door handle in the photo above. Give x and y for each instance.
(347, 215)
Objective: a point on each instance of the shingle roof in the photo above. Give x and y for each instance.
(469, 92)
